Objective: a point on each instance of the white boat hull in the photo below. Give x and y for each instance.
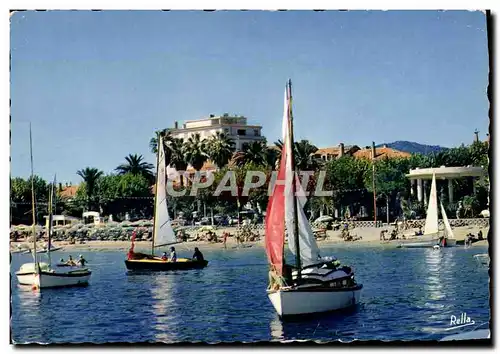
(423, 244)
(451, 242)
(290, 302)
(53, 280)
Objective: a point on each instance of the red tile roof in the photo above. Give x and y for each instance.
(381, 153)
(68, 191)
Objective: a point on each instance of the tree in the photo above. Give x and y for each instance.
(471, 206)
(153, 142)
(345, 176)
(178, 160)
(391, 183)
(254, 153)
(20, 197)
(90, 177)
(195, 151)
(220, 149)
(136, 165)
(303, 156)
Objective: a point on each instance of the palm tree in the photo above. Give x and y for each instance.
(303, 155)
(136, 165)
(303, 151)
(255, 152)
(153, 142)
(195, 151)
(175, 147)
(220, 149)
(90, 176)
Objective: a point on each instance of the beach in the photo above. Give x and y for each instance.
(370, 237)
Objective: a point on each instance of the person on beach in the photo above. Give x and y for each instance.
(164, 256)
(224, 239)
(480, 235)
(198, 256)
(382, 235)
(173, 255)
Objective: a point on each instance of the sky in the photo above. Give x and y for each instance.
(97, 85)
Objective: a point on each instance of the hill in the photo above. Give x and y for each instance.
(414, 148)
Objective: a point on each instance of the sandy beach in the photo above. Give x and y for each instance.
(370, 237)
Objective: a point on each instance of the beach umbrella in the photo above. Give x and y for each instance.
(206, 228)
(324, 218)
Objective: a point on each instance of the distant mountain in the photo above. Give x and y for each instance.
(414, 148)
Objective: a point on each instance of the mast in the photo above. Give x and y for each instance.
(159, 141)
(294, 186)
(49, 229)
(374, 190)
(33, 208)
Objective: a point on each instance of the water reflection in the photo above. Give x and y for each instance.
(318, 327)
(163, 306)
(31, 303)
(433, 285)
(276, 329)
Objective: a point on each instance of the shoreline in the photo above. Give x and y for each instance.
(370, 238)
(145, 246)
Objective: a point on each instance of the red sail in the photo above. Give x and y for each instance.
(275, 219)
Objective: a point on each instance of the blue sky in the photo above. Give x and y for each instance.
(96, 85)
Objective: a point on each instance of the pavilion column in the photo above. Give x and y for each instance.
(425, 192)
(473, 185)
(450, 191)
(412, 187)
(419, 190)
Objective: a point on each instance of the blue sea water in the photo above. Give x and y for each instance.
(408, 294)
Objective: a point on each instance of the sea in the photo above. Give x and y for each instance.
(408, 294)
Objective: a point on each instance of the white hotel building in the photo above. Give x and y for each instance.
(234, 127)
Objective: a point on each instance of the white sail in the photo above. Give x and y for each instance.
(449, 231)
(309, 251)
(431, 220)
(163, 232)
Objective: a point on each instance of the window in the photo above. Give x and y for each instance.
(242, 132)
(256, 132)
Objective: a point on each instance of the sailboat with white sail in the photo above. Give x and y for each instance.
(163, 233)
(38, 274)
(432, 235)
(449, 239)
(314, 284)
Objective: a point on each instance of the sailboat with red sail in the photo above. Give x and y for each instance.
(314, 284)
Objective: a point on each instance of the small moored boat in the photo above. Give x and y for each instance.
(40, 275)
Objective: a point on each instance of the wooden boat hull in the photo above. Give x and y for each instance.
(54, 279)
(306, 301)
(160, 265)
